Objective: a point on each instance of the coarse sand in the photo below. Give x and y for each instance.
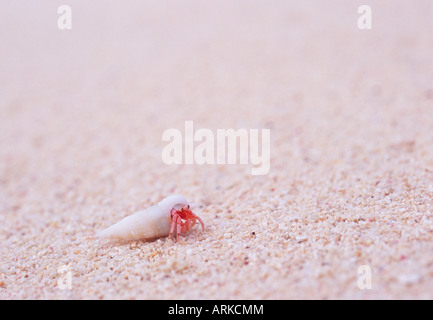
(350, 113)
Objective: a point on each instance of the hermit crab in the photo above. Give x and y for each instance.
(169, 216)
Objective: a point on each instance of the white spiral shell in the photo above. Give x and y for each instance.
(151, 223)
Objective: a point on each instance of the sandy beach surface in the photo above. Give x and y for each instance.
(350, 112)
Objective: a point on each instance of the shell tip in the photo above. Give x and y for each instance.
(103, 234)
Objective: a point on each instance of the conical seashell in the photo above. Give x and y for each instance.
(152, 223)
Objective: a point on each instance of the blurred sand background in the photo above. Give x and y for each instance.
(82, 113)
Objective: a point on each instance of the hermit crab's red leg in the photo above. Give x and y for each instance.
(179, 227)
(198, 218)
(173, 224)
